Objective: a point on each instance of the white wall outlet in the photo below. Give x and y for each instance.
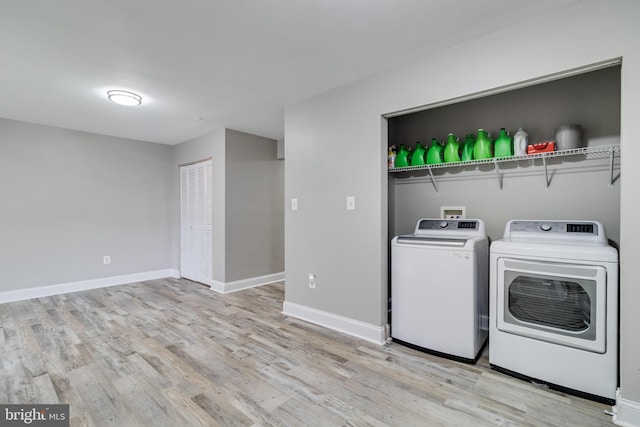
(294, 204)
(106, 259)
(351, 203)
(312, 281)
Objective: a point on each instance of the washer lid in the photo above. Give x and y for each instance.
(412, 239)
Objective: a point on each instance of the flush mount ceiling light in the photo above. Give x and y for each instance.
(124, 97)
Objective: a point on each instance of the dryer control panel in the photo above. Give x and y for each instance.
(589, 232)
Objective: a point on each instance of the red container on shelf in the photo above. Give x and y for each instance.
(541, 147)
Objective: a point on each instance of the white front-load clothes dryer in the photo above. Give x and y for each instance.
(554, 306)
(439, 288)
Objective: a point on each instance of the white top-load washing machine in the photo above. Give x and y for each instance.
(439, 288)
(554, 306)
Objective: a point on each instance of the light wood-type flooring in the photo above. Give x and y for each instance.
(174, 353)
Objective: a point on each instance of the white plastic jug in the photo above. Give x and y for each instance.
(520, 142)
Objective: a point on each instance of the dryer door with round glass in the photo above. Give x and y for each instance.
(559, 303)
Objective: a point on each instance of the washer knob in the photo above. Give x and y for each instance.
(443, 224)
(545, 227)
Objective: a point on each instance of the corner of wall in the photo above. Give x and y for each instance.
(345, 325)
(626, 412)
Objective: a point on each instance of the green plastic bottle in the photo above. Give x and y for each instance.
(417, 157)
(467, 148)
(452, 150)
(504, 144)
(435, 154)
(482, 149)
(402, 157)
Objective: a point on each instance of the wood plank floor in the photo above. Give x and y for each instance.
(173, 353)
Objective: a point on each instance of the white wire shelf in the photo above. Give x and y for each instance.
(591, 153)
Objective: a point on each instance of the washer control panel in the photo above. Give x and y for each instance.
(455, 228)
(448, 224)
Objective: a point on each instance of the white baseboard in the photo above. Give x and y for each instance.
(252, 282)
(626, 412)
(64, 288)
(356, 328)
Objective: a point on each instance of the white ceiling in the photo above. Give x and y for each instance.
(232, 63)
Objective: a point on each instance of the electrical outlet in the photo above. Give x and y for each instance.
(312, 281)
(106, 259)
(351, 203)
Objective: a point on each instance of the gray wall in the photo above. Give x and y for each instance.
(254, 207)
(69, 198)
(208, 146)
(574, 193)
(592, 99)
(337, 145)
(248, 200)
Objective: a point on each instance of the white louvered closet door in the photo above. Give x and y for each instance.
(196, 222)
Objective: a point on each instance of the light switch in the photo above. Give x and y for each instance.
(294, 204)
(351, 203)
